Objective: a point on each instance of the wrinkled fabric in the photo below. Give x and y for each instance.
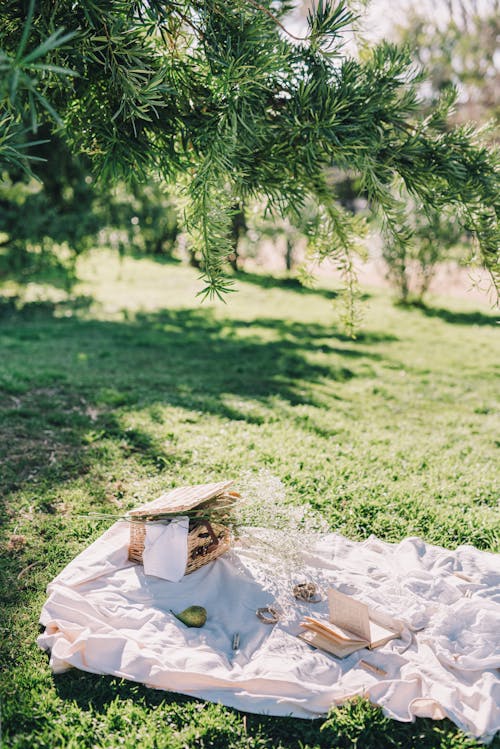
(104, 615)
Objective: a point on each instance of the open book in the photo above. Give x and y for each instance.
(351, 626)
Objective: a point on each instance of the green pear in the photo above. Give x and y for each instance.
(193, 616)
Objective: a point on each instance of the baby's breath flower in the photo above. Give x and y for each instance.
(276, 532)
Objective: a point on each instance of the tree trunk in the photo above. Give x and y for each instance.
(238, 229)
(289, 254)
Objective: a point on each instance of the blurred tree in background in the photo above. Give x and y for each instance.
(46, 223)
(436, 237)
(458, 46)
(225, 103)
(456, 42)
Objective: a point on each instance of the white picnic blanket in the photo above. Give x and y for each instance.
(104, 615)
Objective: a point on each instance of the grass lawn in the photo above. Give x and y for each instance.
(131, 387)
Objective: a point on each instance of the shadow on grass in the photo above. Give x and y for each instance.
(356, 723)
(65, 381)
(457, 318)
(287, 283)
(15, 308)
(161, 258)
(47, 435)
(64, 377)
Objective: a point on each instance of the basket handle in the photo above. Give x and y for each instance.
(211, 532)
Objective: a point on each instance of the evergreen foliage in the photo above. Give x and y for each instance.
(218, 98)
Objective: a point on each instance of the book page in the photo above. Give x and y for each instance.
(379, 635)
(331, 630)
(341, 650)
(347, 613)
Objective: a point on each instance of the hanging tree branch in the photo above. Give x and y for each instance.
(245, 110)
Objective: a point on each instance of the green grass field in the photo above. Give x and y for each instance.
(131, 386)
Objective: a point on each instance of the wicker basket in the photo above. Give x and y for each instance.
(206, 541)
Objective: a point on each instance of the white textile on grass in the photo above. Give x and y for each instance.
(104, 615)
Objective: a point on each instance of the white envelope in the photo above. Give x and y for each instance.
(166, 549)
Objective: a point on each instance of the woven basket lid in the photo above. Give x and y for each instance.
(181, 499)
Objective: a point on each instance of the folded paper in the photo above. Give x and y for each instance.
(166, 549)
